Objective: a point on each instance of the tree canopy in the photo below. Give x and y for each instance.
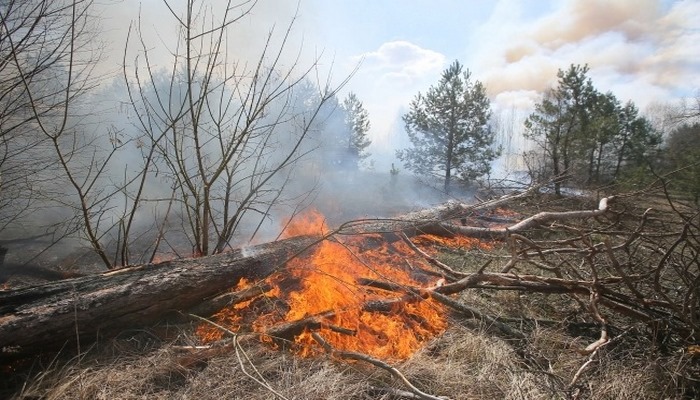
(357, 120)
(449, 129)
(683, 158)
(585, 136)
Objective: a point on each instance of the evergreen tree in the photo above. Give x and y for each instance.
(588, 135)
(605, 125)
(683, 157)
(357, 120)
(561, 124)
(448, 128)
(636, 140)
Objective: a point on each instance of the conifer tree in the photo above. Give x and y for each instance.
(357, 120)
(449, 130)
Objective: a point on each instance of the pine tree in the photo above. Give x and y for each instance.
(449, 130)
(585, 134)
(561, 124)
(682, 157)
(635, 142)
(357, 120)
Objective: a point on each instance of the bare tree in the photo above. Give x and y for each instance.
(688, 111)
(47, 52)
(226, 133)
(33, 48)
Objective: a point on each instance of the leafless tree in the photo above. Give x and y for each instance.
(689, 110)
(47, 50)
(226, 133)
(33, 48)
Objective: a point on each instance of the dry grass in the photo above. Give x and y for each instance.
(160, 375)
(464, 363)
(470, 365)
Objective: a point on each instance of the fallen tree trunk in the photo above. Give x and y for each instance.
(45, 317)
(430, 221)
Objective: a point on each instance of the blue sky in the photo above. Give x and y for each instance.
(641, 50)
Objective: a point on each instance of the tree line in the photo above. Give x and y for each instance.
(581, 136)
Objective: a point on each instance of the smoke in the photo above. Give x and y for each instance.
(257, 21)
(642, 51)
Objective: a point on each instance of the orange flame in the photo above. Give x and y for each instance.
(311, 222)
(454, 242)
(325, 285)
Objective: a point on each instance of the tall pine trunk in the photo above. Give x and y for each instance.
(448, 162)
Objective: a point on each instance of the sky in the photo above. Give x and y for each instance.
(645, 51)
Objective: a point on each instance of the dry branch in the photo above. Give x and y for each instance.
(526, 224)
(451, 273)
(430, 221)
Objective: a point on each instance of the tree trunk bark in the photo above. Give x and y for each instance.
(40, 318)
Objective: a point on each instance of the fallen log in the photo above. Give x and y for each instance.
(76, 311)
(430, 221)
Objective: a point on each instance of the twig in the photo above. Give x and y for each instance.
(583, 367)
(262, 382)
(351, 355)
(591, 348)
(239, 349)
(404, 394)
(432, 260)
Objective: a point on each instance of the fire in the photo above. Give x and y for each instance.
(327, 285)
(461, 242)
(311, 222)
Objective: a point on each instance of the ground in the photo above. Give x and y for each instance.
(471, 359)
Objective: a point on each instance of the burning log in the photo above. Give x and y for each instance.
(41, 318)
(209, 307)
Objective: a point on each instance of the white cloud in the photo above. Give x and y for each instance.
(388, 78)
(402, 62)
